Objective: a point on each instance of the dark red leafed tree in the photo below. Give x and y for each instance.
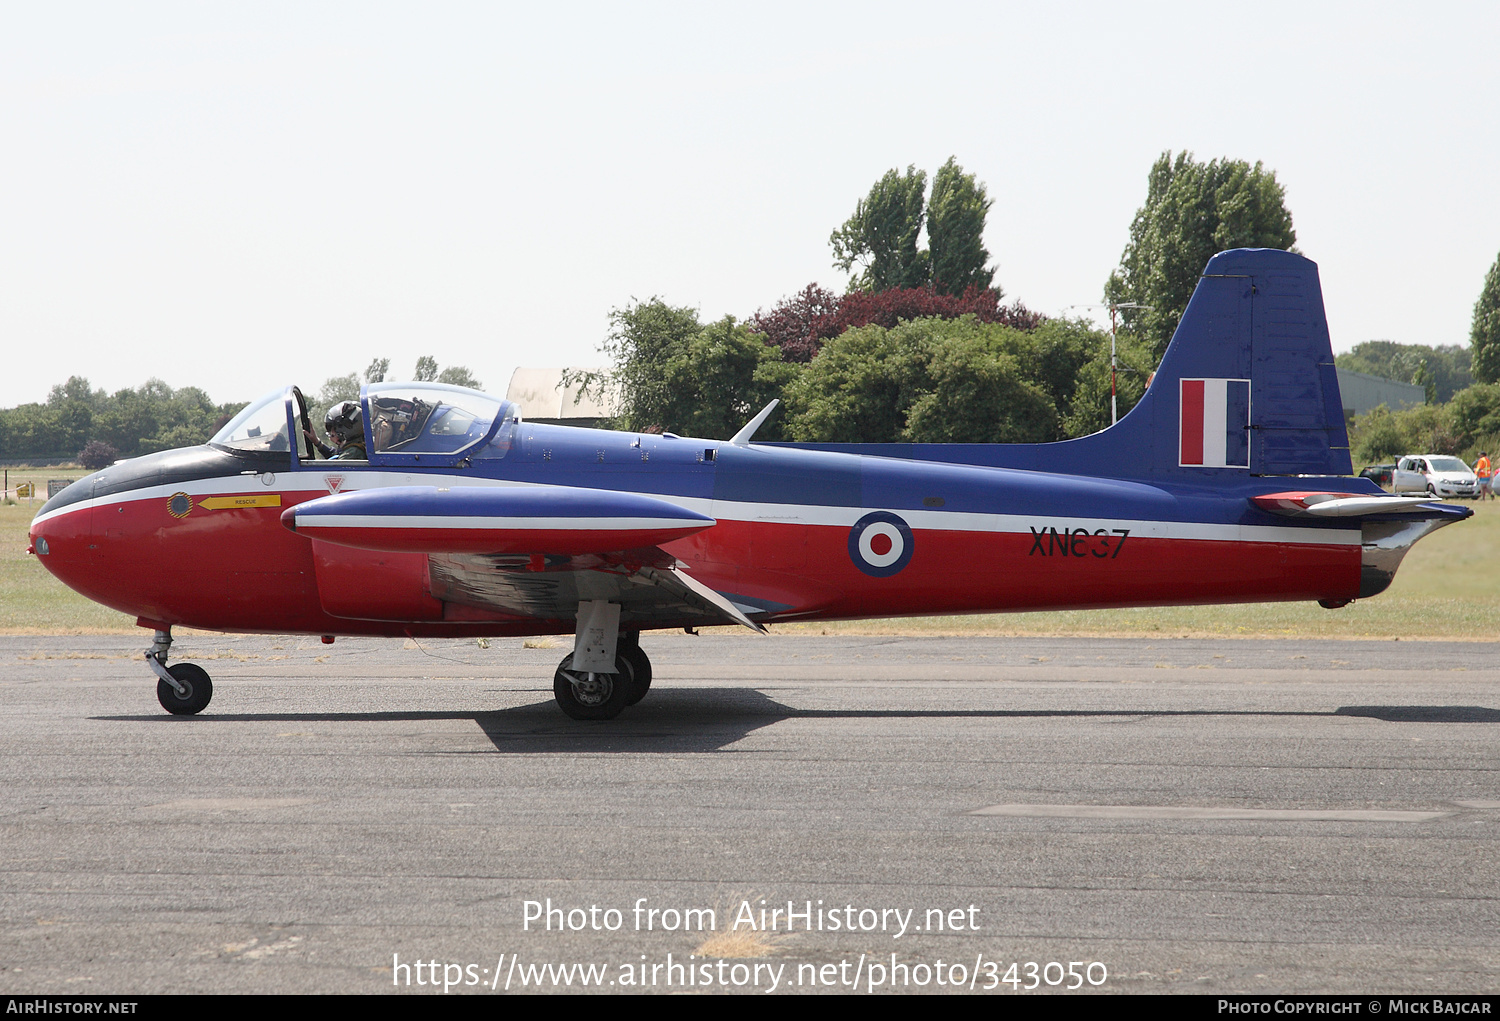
(800, 324)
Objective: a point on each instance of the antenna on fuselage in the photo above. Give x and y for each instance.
(742, 438)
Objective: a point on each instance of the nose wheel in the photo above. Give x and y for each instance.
(183, 689)
(192, 694)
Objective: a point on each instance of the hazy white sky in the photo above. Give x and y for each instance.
(237, 196)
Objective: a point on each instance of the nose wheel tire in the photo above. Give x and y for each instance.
(195, 699)
(584, 695)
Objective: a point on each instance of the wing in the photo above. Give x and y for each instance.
(537, 551)
(649, 584)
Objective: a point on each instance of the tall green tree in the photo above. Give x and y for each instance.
(881, 236)
(955, 231)
(459, 375)
(1193, 210)
(1484, 336)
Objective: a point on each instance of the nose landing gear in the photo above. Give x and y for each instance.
(183, 689)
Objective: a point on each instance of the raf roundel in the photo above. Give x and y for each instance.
(880, 544)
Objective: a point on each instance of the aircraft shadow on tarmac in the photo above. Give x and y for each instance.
(1423, 713)
(710, 719)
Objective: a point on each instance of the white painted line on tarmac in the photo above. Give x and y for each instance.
(1191, 812)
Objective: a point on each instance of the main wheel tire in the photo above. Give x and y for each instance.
(586, 696)
(199, 690)
(640, 669)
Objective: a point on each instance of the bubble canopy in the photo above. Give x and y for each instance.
(433, 422)
(428, 423)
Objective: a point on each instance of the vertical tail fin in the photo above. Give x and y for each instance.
(1248, 381)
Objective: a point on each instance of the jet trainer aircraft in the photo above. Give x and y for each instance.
(1228, 482)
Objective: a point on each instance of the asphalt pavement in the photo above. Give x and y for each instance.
(893, 814)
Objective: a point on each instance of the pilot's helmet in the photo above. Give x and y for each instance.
(343, 421)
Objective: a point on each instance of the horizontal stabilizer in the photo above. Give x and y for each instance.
(1351, 505)
(493, 520)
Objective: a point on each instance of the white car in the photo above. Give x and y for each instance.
(1435, 475)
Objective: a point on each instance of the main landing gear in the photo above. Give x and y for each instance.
(183, 689)
(591, 695)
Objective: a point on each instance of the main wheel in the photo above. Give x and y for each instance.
(199, 690)
(592, 696)
(640, 670)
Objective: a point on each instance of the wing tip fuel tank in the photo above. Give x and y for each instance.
(507, 519)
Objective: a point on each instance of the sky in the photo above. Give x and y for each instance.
(242, 196)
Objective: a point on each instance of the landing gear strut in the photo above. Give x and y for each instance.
(182, 690)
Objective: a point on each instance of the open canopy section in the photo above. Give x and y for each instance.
(435, 423)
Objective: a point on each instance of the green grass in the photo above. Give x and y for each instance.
(1448, 587)
(32, 601)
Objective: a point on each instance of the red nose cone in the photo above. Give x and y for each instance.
(64, 546)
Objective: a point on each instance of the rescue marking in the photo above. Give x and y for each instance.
(179, 504)
(880, 544)
(246, 500)
(1101, 543)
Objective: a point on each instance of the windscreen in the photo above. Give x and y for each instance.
(259, 428)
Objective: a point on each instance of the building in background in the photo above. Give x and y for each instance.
(1360, 393)
(540, 396)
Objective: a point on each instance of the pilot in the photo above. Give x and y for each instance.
(345, 426)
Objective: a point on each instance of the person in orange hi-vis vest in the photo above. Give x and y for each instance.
(1486, 479)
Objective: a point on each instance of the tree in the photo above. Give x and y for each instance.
(1476, 417)
(377, 370)
(979, 395)
(673, 374)
(802, 324)
(97, 454)
(881, 236)
(1484, 336)
(946, 380)
(1193, 211)
(426, 370)
(793, 323)
(459, 375)
(955, 231)
(338, 388)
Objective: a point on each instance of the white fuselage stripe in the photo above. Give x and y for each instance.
(758, 513)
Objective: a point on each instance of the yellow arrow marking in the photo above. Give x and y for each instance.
(256, 500)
